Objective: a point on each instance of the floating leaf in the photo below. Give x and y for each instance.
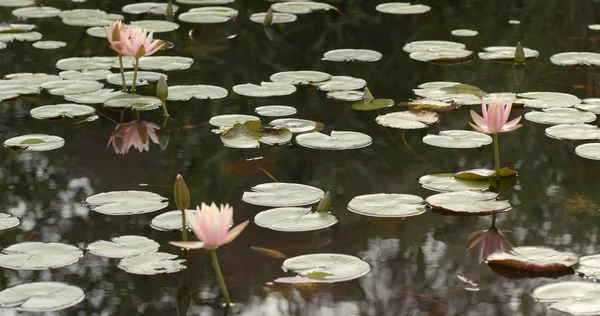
(464, 32)
(209, 15)
(168, 221)
(148, 7)
(186, 92)
(26, 78)
(298, 126)
(62, 87)
(278, 18)
(123, 247)
(544, 100)
(39, 256)
(468, 203)
(327, 267)
(35, 142)
(589, 267)
(88, 17)
(301, 7)
(98, 96)
(205, 2)
(576, 58)
(21, 37)
(269, 252)
(41, 296)
(447, 182)
(442, 55)
(294, 219)
(346, 95)
(16, 3)
(8, 221)
(251, 133)
(574, 131)
(36, 12)
(278, 194)
(455, 92)
(70, 110)
(152, 264)
(266, 89)
(534, 258)
(126, 202)
(402, 8)
(589, 151)
(408, 119)
(484, 174)
(364, 55)
(372, 104)
(84, 63)
(572, 297)
(133, 101)
(506, 53)
(156, 26)
(424, 46)
(429, 104)
(100, 74)
(143, 78)
(387, 205)
(181, 194)
(458, 139)
(590, 105)
(554, 116)
(300, 77)
(165, 63)
(227, 121)
(335, 141)
(275, 110)
(341, 83)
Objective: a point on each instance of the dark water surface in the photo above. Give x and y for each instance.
(417, 263)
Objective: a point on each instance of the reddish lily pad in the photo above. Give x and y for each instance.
(534, 258)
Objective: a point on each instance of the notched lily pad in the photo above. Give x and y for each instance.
(123, 247)
(408, 119)
(133, 101)
(349, 95)
(199, 91)
(95, 75)
(251, 133)
(555, 116)
(39, 256)
(301, 7)
(94, 97)
(294, 219)
(69, 110)
(149, 7)
(209, 15)
(165, 63)
(297, 126)
(279, 194)
(572, 297)
(275, 110)
(84, 63)
(372, 104)
(327, 267)
(341, 83)
(387, 205)
(574, 131)
(168, 221)
(21, 37)
(576, 59)
(278, 17)
(534, 258)
(364, 55)
(464, 32)
(152, 264)
(337, 140)
(458, 139)
(265, 89)
(544, 100)
(36, 12)
(62, 87)
(484, 174)
(41, 296)
(8, 221)
(468, 203)
(448, 182)
(126, 202)
(506, 53)
(300, 77)
(35, 142)
(227, 121)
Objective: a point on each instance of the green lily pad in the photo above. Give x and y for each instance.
(39, 256)
(35, 142)
(209, 15)
(165, 63)
(387, 205)
(280, 194)
(278, 18)
(297, 126)
(85, 75)
(41, 296)
(300, 7)
(300, 77)
(265, 89)
(251, 133)
(364, 55)
(70, 110)
(447, 182)
(574, 131)
(571, 297)
(341, 83)
(294, 219)
(555, 116)
(126, 202)
(327, 267)
(464, 32)
(589, 151)
(8, 221)
(408, 119)
(576, 59)
(349, 95)
(149, 7)
(484, 174)
(152, 263)
(275, 110)
(123, 247)
(506, 53)
(62, 87)
(544, 100)
(21, 37)
(337, 140)
(534, 258)
(36, 12)
(95, 97)
(372, 104)
(458, 139)
(402, 8)
(186, 92)
(468, 203)
(156, 26)
(84, 63)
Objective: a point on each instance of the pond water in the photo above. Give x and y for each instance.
(419, 264)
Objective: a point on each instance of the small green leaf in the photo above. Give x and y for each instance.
(182, 194)
(519, 55)
(269, 17)
(374, 104)
(325, 203)
(318, 275)
(32, 141)
(482, 174)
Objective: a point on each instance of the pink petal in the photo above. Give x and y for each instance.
(187, 244)
(510, 129)
(477, 128)
(507, 112)
(235, 232)
(484, 110)
(512, 123)
(192, 220)
(478, 119)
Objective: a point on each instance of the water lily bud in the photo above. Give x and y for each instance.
(519, 55)
(268, 17)
(182, 194)
(162, 90)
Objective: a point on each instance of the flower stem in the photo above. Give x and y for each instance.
(497, 155)
(184, 227)
(215, 260)
(164, 106)
(493, 220)
(122, 73)
(135, 71)
(137, 115)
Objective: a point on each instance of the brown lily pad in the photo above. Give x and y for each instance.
(482, 174)
(534, 258)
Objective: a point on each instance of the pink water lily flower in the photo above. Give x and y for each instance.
(136, 134)
(137, 43)
(495, 117)
(114, 32)
(489, 240)
(211, 225)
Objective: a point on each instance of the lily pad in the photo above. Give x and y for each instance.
(555, 116)
(468, 203)
(35, 142)
(408, 119)
(350, 95)
(534, 258)
(364, 55)
(95, 75)
(143, 78)
(251, 133)
(21, 37)
(574, 131)
(205, 2)
(484, 174)
(425, 46)
(327, 267)
(387, 205)
(152, 264)
(572, 297)
(39, 256)
(156, 26)
(201, 92)
(464, 32)
(8, 221)
(506, 53)
(70, 110)
(208, 15)
(454, 92)
(442, 55)
(16, 27)
(294, 219)
(589, 151)
(301, 7)
(589, 267)
(335, 141)
(126, 202)
(458, 139)
(576, 58)
(275, 110)
(165, 63)
(84, 63)
(372, 104)
(36, 12)
(41, 296)
(300, 77)
(278, 18)
(402, 8)
(88, 17)
(168, 221)
(265, 89)
(123, 247)
(96, 31)
(341, 83)
(16, 3)
(280, 194)
(447, 182)
(297, 126)
(229, 120)
(544, 100)
(95, 97)
(62, 87)
(429, 104)
(590, 105)
(149, 7)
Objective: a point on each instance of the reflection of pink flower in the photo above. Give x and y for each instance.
(137, 43)
(211, 226)
(133, 134)
(495, 117)
(490, 241)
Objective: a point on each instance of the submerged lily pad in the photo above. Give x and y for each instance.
(123, 247)
(335, 141)
(199, 91)
(350, 95)
(294, 219)
(209, 15)
(84, 63)
(156, 26)
(8, 221)
(554, 116)
(41, 296)
(278, 17)
(70, 110)
(62, 87)
(447, 182)
(21, 37)
(280, 194)
(574, 131)
(95, 97)
(275, 110)
(576, 58)
(297, 126)
(301, 7)
(327, 267)
(402, 8)
(143, 78)
(152, 263)
(342, 83)
(126, 202)
(506, 53)
(229, 120)
(251, 133)
(571, 297)
(387, 205)
(300, 77)
(365, 55)
(36, 12)
(39, 256)
(484, 174)
(589, 151)
(544, 100)
(408, 119)
(165, 63)
(149, 7)
(458, 139)
(265, 89)
(35, 142)
(468, 203)
(534, 258)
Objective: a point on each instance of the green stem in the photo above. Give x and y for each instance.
(122, 73)
(137, 115)
(184, 227)
(494, 220)
(215, 260)
(497, 155)
(135, 71)
(164, 106)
